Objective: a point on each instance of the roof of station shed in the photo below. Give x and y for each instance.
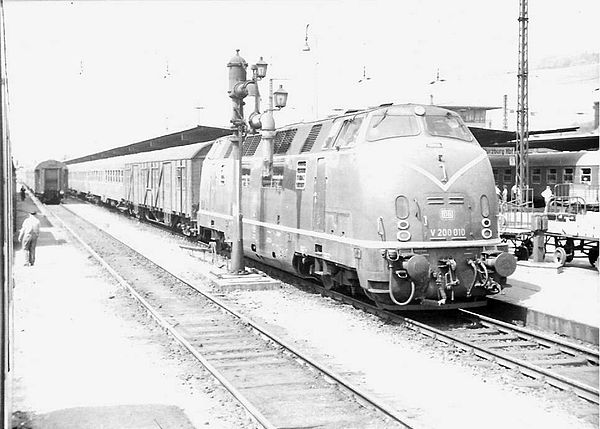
(193, 135)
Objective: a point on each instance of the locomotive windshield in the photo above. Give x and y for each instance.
(386, 124)
(448, 125)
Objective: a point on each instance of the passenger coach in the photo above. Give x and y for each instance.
(160, 186)
(48, 181)
(575, 173)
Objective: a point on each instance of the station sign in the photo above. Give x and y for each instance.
(500, 151)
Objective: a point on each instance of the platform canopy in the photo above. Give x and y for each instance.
(488, 137)
(198, 134)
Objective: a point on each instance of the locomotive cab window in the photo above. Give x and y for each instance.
(536, 176)
(333, 132)
(349, 131)
(448, 125)
(388, 124)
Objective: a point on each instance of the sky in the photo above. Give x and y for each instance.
(85, 76)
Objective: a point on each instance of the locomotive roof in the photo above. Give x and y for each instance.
(50, 163)
(399, 109)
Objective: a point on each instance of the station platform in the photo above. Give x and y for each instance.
(563, 300)
(84, 355)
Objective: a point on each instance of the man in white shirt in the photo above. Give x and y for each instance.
(30, 230)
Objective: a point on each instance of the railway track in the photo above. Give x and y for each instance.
(279, 386)
(562, 364)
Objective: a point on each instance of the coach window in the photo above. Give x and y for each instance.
(507, 176)
(496, 175)
(536, 176)
(586, 175)
(551, 176)
(568, 175)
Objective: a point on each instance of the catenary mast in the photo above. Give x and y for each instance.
(522, 146)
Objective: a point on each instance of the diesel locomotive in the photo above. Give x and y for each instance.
(395, 202)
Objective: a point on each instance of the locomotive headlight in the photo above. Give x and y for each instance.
(485, 222)
(485, 206)
(486, 233)
(403, 235)
(403, 224)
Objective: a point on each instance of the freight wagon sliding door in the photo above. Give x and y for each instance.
(319, 196)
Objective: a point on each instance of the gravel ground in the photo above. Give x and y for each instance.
(86, 356)
(439, 387)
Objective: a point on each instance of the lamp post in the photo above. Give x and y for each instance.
(277, 100)
(239, 88)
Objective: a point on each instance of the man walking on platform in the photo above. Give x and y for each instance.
(30, 230)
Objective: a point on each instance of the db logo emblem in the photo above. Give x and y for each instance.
(447, 214)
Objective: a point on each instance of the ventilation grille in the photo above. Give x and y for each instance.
(435, 200)
(283, 140)
(312, 136)
(456, 200)
(250, 145)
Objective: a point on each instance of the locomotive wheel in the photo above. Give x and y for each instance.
(560, 256)
(328, 282)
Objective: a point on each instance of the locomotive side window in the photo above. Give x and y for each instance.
(551, 175)
(385, 125)
(245, 177)
(276, 180)
(586, 175)
(448, 125)
(333, 132)
(536, 176)
(349, 131)
(301, 175)
(568, 175)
